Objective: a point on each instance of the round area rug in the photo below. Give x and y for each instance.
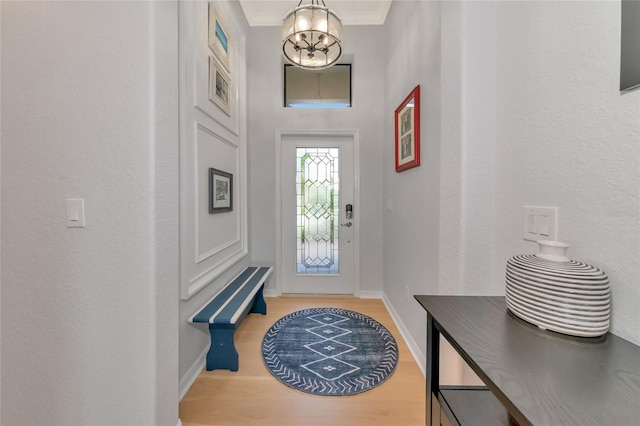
(329, 351)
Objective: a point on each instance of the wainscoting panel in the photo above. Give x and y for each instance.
(217, 231)
(210, 243)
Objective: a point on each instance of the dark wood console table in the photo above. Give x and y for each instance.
(532, 376)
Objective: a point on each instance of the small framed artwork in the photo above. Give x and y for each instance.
(407, 120)
(218, 37)
(220, 191)
(219, 86)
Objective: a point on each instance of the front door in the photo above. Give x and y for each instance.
(317, 214)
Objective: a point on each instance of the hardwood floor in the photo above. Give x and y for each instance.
(252, 396)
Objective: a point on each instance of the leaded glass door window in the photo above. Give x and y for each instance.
(317, 181)
(317, 210)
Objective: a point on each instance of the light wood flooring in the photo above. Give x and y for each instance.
(252, 396)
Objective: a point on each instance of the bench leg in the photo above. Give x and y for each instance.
(222, 354)
(259, 306)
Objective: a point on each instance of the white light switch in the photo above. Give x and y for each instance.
(75, 213)
(544, 225)
(389, 204)
(531, 223)
(540, 223)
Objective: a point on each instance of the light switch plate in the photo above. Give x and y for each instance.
(75, 213)
(540, 223)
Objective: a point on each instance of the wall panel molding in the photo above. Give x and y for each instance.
(210, 244)
(202, 185)
(199, 282)
(200, 71)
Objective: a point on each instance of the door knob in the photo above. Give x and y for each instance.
(348, 224)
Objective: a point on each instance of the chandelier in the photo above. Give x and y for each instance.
(311, 36)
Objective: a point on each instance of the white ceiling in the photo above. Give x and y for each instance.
(351, 12)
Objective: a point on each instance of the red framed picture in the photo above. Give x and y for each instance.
(407, 117)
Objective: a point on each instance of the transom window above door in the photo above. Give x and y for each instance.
(329, 88)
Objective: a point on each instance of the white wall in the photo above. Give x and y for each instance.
(565, 137)
(266, 113)
(89, 316)
(411, 231)
(213, 247)
(525, 109)
(210, 138)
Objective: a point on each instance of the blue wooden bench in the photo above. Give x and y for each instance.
(226, 310)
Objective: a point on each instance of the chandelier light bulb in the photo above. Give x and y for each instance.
(302, 24)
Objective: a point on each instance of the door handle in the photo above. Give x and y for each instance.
(348, 224)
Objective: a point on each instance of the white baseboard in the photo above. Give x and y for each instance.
(179, 422)
(361, 295)
(270, 293)
(370, 295)
(413, 347)
(192, 374)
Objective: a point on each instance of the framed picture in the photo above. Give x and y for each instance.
(219, 86)
(407, 118)
(218, 37)
(220, 191)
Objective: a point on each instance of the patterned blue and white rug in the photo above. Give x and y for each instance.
(329, 351)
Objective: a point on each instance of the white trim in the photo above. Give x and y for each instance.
(355, 136)
(214, 250)
(196, 182)
(278, 162)
(192, 374)
(179, 422)
(270, 293)
(370, 295)
(413, 346)
(209, 275)
(356, 199)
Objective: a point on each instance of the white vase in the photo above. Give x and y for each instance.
(553, 250)
(552, 291)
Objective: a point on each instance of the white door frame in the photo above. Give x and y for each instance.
(355, 135)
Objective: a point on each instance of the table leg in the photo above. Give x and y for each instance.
(433, 370)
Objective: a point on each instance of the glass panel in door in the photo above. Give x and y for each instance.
(317, 210)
